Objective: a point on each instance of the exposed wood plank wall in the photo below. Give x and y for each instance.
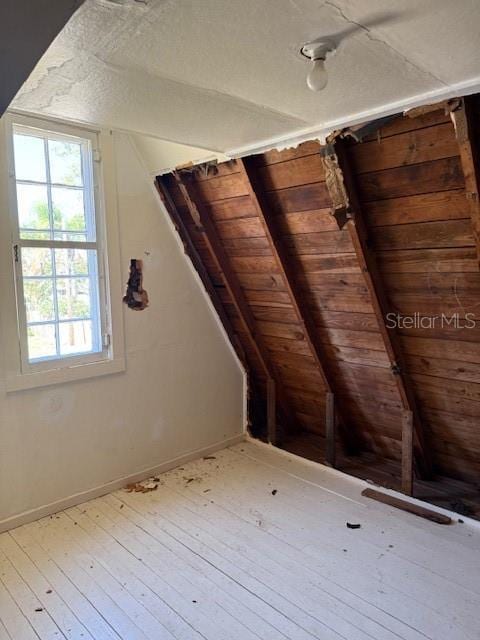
(200, 216)
(333, 288)
(300, 308)
(235, 219)
(413, 193)
(464, 118)
(411, 187)
(342, 183)
(192, 253)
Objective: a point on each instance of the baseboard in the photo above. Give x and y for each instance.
(65, 503)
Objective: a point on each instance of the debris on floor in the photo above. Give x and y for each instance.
(461, 508)
(150, 484)
(274, 492)
(189, 480)
(350, 525)
(209, 458)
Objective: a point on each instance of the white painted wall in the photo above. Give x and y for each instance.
(161, 156)
(182, 390)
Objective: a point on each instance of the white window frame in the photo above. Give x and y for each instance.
(26, 374)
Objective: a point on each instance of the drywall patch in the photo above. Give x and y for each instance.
(56, 405)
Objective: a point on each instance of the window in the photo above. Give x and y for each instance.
(58, 247)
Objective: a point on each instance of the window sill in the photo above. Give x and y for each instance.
(26, 381)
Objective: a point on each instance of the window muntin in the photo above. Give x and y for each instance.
(58, 260)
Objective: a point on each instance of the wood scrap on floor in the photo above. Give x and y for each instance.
(409, 507)
(150, 484)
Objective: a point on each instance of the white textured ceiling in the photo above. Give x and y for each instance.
(226, 75)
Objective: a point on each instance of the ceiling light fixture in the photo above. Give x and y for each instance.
(317, 51)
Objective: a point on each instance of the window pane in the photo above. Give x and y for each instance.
(71, 262)
(41, 341)
(73, 296)
(32, 207)
(65, 162)
(68, 210)
(39, 299)
(75, 337)
(70, 237)
(36, 262)
(35, 235)
(29, 158)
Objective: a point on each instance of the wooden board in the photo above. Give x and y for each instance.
(437, 175)
(421, 145)
(398, 503)
(426, 207)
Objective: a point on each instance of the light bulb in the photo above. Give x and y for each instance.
(318, 77)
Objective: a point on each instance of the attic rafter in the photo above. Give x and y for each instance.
(348, 212)
(462, 116)
(303, 314)
(214, 244)
(192, 253)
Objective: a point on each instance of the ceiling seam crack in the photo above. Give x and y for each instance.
(373, 38)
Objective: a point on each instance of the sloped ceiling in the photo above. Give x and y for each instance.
(226, 75)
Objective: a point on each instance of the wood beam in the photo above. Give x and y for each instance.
(271, 410)
(463, 118)
(285, 267)
(346, 201)
(192, 253)
(407, 453)
(233, 286)
(330, 429)
(281, 258)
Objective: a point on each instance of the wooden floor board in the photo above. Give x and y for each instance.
(248, 544)
(48, 598)
(38, 617)
(26, 537)
(335, 565)
(87, 521)
(4, 635)
(77, 567)
(244, 577)
(12, 617)
(269, 594)
(395, 523)
(138, 580)
(162, 562)
(257, 561)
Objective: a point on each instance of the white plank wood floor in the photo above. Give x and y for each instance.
(250, 544)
